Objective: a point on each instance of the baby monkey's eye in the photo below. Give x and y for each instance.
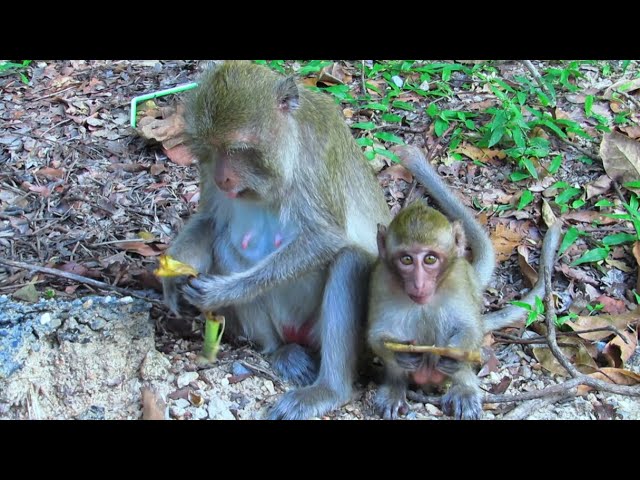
(430, 259)
(406, 260)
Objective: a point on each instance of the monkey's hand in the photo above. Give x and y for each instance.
(210, 292)
(391, 401)
(409, 361)
(171, 287)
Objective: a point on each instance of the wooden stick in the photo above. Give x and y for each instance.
(473, 356)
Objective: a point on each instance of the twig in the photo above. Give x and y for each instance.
(631, 98)
(582, 150)
(550, 317)
(574, 333)
(473, 356)
(536, 75)
(568, 388)
(55, 93)
(80, 279)
(524, 411)
(261, 370)
(362, 79)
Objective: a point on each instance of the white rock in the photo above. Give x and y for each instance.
(182, 403)
(155, 366)
(218, 410)
(177, 412)
(199, 413)
(269, 386)
(45, 318)
(186, 378)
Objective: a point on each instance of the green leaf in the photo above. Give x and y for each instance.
(364, 125)
(441, 126)
(376, 106)
(568, 194)
(496, 136)
(595, 255)
(470, 124)
(403, 105)
(522, 97)
(577, 204)
(389, 137)
(518, 137)
(370, 155)
(528, 165)
(554, 128)
(365, 142)
(391, 118)
(313, 66)
(524, 305)
(432, 110)
(386, 153)
(635, 184)
(588, 105)
(569, 239)
(618, 239)
(555, 164)
(525, 199)
(517, 176)
(604, 203)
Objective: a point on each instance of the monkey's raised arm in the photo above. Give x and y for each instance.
(483, 255)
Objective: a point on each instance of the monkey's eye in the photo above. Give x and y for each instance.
(406, 260)
(430, 259)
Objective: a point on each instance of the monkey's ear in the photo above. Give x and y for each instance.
(288, 95)
(459, 238)
(382, 241)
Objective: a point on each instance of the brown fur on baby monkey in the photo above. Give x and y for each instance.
(424, 291)
(436, 301)
(284, 236)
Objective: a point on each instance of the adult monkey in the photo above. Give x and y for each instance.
(284, 236)
(424, 291)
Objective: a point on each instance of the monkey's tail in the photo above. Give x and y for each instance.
(484, 260)
(508, 315)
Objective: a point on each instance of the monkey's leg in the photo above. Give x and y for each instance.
(292, 362)
(391, 399)
(341, 318)
(463, 401)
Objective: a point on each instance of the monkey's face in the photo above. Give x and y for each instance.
(241, 173)
(419, 267)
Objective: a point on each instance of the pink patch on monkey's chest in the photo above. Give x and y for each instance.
(246, 239)
(300, 335)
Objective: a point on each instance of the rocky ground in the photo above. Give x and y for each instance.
(102, 358)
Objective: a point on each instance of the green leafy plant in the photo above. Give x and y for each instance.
(16, 67)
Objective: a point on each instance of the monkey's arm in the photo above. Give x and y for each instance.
(508, 315)
(193, 246)
(484, 260)
(310, 250)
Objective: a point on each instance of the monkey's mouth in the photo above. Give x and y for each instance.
(236, 193)
(420, 299)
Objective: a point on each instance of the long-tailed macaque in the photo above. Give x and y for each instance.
(284, 236)
(423, 291)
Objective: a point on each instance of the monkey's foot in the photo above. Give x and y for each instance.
(391, 403)
(307, 402)
(295, 364)
(462, 404)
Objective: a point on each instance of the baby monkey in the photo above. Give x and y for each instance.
(424, 291)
